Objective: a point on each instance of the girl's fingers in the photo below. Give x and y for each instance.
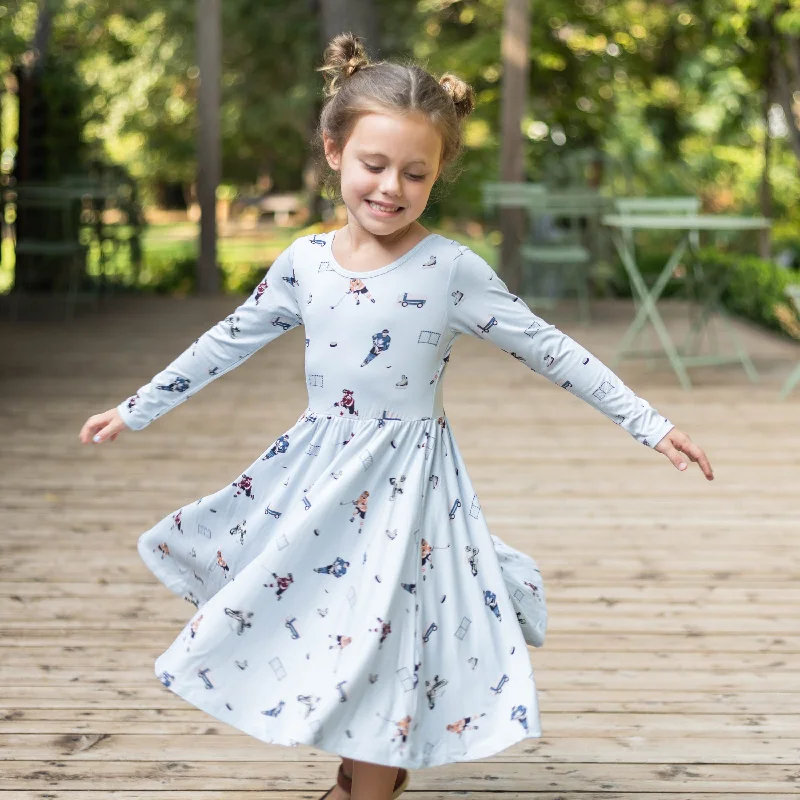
(90, 427)
(674, 456)
(697, 455)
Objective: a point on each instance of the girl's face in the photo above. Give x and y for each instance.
(391, 161)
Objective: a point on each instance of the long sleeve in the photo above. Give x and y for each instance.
(481, 305)
(270, 310)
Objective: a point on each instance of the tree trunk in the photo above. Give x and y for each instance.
(784, 93)
(208, 27)
(765, 195)
(337, 16)
(516, 61)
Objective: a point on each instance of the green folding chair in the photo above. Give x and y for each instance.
(59, 250)
(509, 195)
(571, 254)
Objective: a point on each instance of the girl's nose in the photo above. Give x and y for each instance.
(390, 183)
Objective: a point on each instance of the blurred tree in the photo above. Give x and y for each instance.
(208, 45)
(49, 146)
(670, 94)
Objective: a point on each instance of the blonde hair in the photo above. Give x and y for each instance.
(355, 86)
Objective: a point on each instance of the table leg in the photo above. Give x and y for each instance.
(791, 382)
(648, 309)
(711, 305)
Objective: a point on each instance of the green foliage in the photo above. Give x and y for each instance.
(670, 93)
(756, 289)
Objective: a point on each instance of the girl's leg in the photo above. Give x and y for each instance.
(372, 781)
(347, 767)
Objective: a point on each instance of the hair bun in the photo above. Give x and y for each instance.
(344, 55)
(461, 93)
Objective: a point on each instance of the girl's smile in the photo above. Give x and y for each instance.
(382, 210)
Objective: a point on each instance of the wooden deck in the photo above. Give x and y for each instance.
(671, 666)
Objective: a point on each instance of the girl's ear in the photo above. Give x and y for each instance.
(332, 155)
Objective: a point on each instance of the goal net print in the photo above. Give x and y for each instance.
(533, 329)
(429, 337)
(406, 679)
(602, 390)
(462, 629)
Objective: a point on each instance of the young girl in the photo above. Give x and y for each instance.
(349, 594)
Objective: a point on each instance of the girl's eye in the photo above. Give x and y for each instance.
(376, 169)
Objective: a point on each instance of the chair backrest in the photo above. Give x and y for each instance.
(39, 195)
(509, 195)
(568, 204)
(657, 205)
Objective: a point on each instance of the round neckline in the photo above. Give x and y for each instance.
(337, 267)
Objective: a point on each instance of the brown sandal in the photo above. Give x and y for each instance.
(346, 783)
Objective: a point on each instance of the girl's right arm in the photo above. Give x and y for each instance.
(270, 310)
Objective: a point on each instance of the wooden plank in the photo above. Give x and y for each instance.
(184, 720)
(194, 747)
(630, 679)
(721, 596)
(574, 699)
(435, 795)
(105, 658)
(682, 624)
(611, 624)
(140, 639)
(521, 775)
(773, 617)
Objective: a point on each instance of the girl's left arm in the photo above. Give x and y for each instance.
(481, 305)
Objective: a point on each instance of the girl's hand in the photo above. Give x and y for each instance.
(100, 427)
(677, 442)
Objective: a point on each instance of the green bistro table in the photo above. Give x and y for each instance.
(622, 229)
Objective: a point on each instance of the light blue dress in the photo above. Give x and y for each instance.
(349, 594)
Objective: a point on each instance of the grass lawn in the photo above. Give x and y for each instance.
(170, 248)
